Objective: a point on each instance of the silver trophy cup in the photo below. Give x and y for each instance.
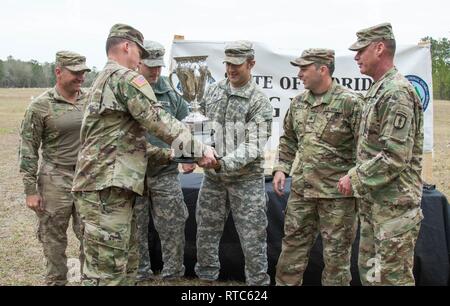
(193, 74)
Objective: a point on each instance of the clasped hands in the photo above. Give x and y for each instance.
(209, 159)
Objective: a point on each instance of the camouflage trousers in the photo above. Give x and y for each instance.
(169, 213)
(109, 236)
(247, 203)
(335, 220)
(386, 248)
(54, 186)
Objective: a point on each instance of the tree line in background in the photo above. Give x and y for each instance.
(17, 73)
(440, 56)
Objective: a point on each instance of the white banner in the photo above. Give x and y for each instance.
(278, 78)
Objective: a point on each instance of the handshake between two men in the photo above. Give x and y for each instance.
(209, 160)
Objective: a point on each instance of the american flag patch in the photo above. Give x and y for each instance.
(139, 81)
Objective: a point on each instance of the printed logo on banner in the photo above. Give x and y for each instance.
(421, 88)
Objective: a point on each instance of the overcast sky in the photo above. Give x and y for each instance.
(38, 29)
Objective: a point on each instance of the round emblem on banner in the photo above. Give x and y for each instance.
(421, 88)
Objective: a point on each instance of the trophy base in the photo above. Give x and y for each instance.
(189, 160)
(185, 160)
(195, 117)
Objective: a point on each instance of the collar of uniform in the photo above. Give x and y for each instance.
(326, 98)
(112, 64)
(375, 86)
(57, 97)
(389, 74)
(162, 86)
(244, 91)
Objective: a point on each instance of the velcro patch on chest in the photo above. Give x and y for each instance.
(311, 118)
(139, 81)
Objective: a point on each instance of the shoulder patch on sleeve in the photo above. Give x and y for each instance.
(399, 124)
(139, 81)
(400, 120)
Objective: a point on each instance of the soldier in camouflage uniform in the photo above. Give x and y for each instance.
(113, 158)
(235, 105)
(165, 199)
(52, 122)
(321, 126)
(387, 176)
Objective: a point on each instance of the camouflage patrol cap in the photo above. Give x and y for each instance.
(71, 61)
(237, 52)
(379, 32)
(156, 54)
(128, 32)
(314, 55)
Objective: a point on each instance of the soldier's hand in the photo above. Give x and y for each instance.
(345, 185)
(278, 183)
(172, 154)
(209, 158)
(188, 168)
(35, 202)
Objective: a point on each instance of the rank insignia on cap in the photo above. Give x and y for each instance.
(399, 121)
(139, 81)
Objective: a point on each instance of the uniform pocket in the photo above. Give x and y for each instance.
(103, 237)
(109, 102)
(332, 128)
(299, 119)
(398, 225)
(215, 108)
(47, 169)
(115, 196)
(368, 117)
(371, 167)
(109, 224)
(41, 224)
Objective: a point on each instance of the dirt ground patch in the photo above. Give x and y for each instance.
(441, 160)
(21, 258)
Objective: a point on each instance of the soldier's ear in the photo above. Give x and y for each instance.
(126, 46)
(380, 48)
(323, 69)
(58, 70)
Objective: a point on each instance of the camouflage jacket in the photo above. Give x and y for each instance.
(53, 124)
(120, 109)
(323, 133)
(242, 120)
(390, 144)
(178, 108)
